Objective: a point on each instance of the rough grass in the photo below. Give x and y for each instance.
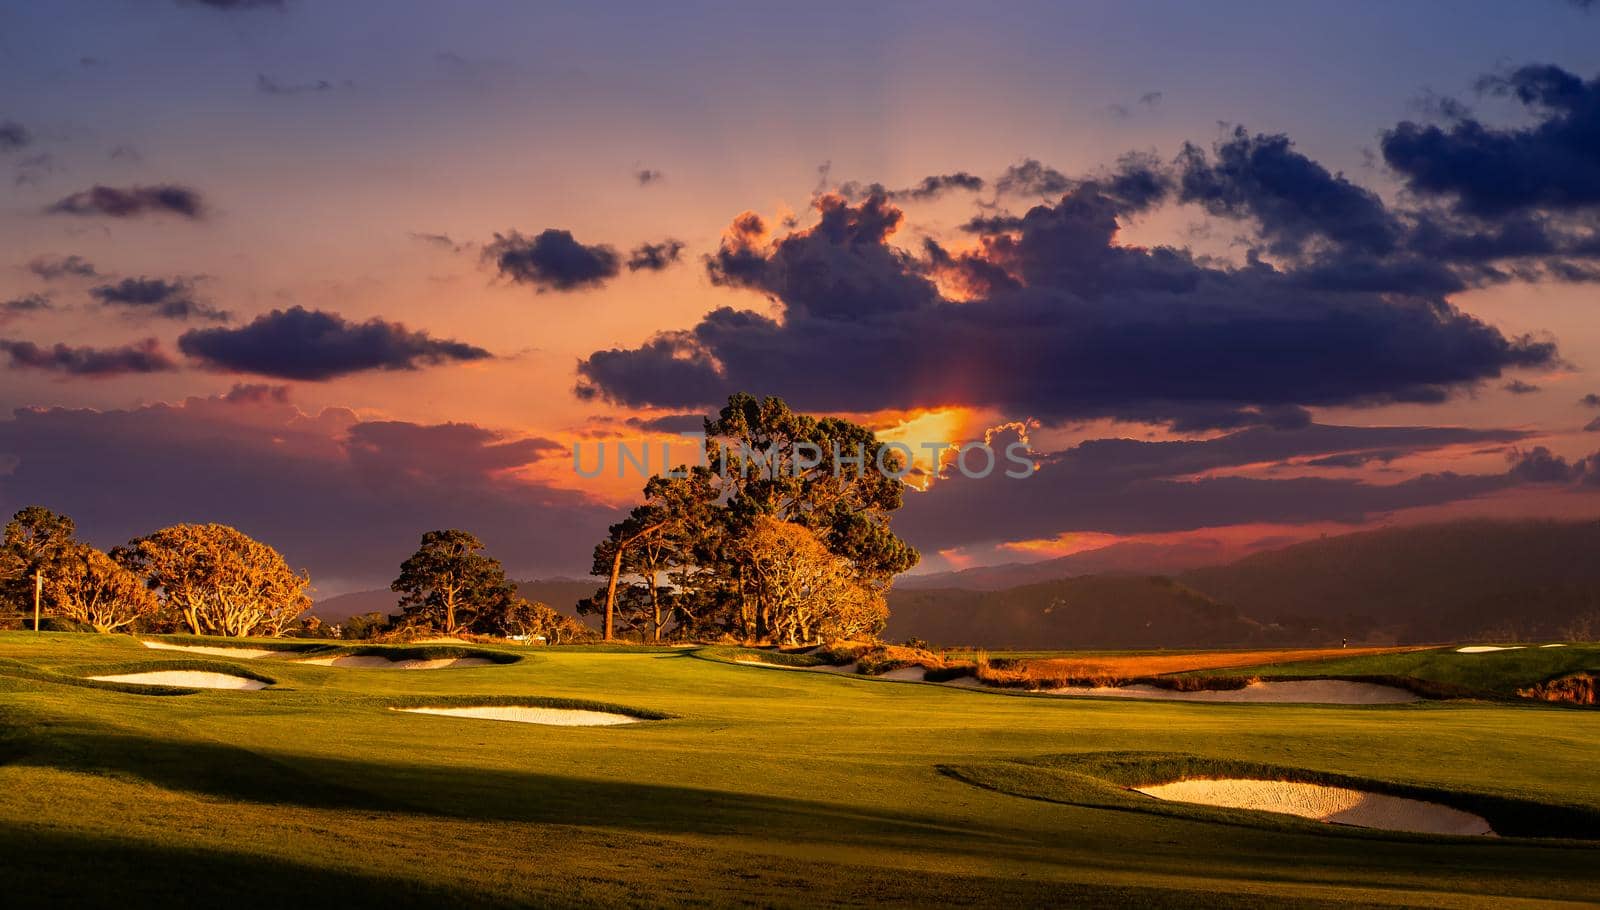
(1443, 672)
(765, 789)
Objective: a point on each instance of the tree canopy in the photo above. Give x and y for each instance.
(450, 583)
(218, 580)
(702, 530)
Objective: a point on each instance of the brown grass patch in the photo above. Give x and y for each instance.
(1577, 689)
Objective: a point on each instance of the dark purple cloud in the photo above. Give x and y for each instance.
(19, 306)
(55, 268)
(647, 176)
(267, 85)
(13, 135)
(313, 345)
(100, 363)
(172, 298)
(1518, 387)
(654, 257)
(129, 202)
(1552, 164)
(552, 260)
(1292, 198)
(1083, 327)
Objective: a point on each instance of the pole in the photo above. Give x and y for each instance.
(38, 591)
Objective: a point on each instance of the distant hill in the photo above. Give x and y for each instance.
(1424, 583)
(1118, 559)
(1465, 580)
(561, 593)
(1097, 611)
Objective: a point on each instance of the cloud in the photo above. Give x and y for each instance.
(269, 86)
(1591, 400)
(141, 357)
(1129, 486)
(1292, 198)
(1487, 171)
(437, 241)
(1030, 178)
(1592, 426)
(27, 303)
(345, 498)
(670, 423)
(13, 136)
(937, 185)
(1538, 465)
(236, 5)
(168, 199)
(1085, 328)
(655, 256)
(647, 176)
(1518, 387)
(314, 346)
(552, 260)
(168, 298)
(54, 268)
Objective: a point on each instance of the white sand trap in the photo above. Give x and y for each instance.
(241, 653)
(1557, 645)
(1338, 805)
(912, 674)
(1291, 691)
(555, 717)
(378, 662)
(188, 679)
(1485, 649)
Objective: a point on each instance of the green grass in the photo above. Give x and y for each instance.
(1491, 674)
(756, 787)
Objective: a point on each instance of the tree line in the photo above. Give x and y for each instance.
(782, 535)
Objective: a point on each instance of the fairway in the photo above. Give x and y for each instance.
(736, 786)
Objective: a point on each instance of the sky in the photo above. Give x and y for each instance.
(1235, 274)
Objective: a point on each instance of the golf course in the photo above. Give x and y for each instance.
(716, 781)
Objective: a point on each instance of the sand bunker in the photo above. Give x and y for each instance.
(241, 653)
(911, 674)
(1557, 645)
(187, 679)
(379, 662)
(1306, 691)
(556, 717)
(1485, 649)
(1338, 805)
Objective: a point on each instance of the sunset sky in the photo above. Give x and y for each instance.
(340, 273)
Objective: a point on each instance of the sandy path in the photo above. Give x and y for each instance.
(188, 679)
(1485, 649)
(1304, 691)
(376, 662)
(1339, 805)
(557, 717)
(241, 653)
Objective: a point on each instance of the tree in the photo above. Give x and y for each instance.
(218, 580)
(36, 539)
(531, 619)
(92, 588)
(654, 538)
(806, 592)
(449, 582)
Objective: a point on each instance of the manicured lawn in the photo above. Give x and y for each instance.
(763, 787)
